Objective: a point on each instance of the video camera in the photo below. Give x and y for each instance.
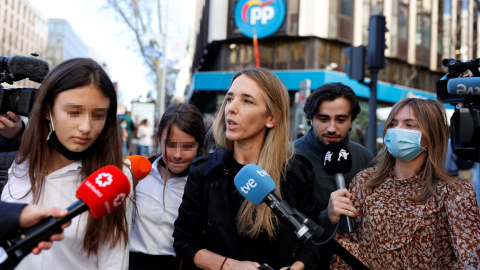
(16, 68)
(464, 94)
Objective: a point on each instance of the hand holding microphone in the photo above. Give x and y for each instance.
(100, 193)
(337, 161)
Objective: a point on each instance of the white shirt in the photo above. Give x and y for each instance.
(59, 191)
(157, 211)
(144, 135)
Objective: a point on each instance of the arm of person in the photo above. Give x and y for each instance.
(13, 128)
(464, 224)
(206, 259)
(16, 216)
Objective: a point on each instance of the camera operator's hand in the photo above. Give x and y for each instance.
(10, 128)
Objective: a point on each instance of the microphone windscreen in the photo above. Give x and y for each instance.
(104, 190)
(30, 67)
(254, 183)
(139, 165)
(337, 158)
(466, 86)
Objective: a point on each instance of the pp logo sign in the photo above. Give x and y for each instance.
(104, 179)
(263, 17)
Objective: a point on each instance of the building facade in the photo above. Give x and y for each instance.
(23, 31)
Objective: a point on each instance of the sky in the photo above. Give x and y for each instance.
(100, 28)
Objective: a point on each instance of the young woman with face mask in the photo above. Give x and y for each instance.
(410, 212)
(72, 132)
(181, 136)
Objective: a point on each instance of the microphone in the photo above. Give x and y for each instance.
(466, 86)
(25, 67)
(337, 161)
(256, 185)
(100, 193)
(139, 165)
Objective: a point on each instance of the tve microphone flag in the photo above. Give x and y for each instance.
(139, 165)
(256, 185)
(337, 161)
(100, 193)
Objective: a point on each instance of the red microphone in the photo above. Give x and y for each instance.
(139, 165)
(100, 193)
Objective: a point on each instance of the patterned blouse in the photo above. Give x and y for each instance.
(396, 233)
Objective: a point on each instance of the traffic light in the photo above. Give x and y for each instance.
(355, 69)
(376, 42)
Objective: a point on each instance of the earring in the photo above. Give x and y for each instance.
(269, 125)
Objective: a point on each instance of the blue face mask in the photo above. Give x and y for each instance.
(404, 144)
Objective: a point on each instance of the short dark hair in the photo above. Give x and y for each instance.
(330, 92)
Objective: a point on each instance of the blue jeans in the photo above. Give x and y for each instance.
(144, 150)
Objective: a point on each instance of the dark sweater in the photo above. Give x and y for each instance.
(208, 211)
(312, 149)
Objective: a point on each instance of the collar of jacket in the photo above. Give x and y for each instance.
(217, 159)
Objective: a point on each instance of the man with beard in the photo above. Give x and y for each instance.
(330, 111)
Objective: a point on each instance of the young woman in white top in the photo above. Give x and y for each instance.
(144, 135)
(72, 132)
(181, 135)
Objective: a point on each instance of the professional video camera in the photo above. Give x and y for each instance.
(18, 100)
(464, 94)
(16, 68)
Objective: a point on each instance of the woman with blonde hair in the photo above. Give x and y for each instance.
(410, 213)
(216, 227)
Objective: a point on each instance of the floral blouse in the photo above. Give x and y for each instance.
(394, 232)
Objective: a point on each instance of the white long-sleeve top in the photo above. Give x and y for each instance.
(144, 135)
(59, 191)
(156, 213)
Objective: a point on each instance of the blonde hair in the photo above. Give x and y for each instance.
(276, 152)
(433, 123)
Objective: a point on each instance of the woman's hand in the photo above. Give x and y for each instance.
(298, 265)
(340, 204)
(243, 265)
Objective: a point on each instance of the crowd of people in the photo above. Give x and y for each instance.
(410, 212)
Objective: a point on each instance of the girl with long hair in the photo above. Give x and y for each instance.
(72, 132)
(181, 136)
(219, 229)
(410, 212)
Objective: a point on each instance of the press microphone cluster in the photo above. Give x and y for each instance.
(256, 185)
(338, 161)
(139, 165)
(22, 67)
(100, 193)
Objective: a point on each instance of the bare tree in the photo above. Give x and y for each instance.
(140, 17)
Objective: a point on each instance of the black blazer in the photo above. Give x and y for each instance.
(206, 221)
(9, 218)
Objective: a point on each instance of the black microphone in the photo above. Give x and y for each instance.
(257, 186)
(337, 161)
(100, 193)
(22, 67)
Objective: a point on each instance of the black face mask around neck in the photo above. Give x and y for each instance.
(180, 174)
(54, 142)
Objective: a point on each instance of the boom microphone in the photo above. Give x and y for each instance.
(100, 193)
(139, 165)
(337, 161)
(22, 67)
(465, 86)
(257, 186)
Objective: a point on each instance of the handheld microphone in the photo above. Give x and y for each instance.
(465, 86)
(100, 193)
(22, 67)
(337, 161)
(139, 165)
(257, 186)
